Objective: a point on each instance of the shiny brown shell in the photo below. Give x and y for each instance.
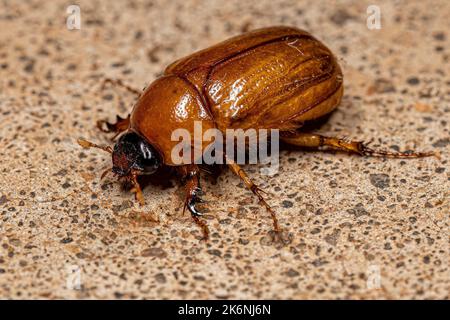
(272, 78)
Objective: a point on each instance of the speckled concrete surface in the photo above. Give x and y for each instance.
(349, 218)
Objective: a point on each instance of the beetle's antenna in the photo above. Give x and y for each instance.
(87, 144)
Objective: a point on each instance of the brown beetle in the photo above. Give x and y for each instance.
(272, 78)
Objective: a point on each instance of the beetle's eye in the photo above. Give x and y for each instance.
(145, 151)
(150, 160)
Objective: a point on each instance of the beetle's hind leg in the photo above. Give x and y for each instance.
(312, 140)
(256, 190)
(190, 175)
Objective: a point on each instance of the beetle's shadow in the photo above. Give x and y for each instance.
(318, 123)
(166, 178)
(163, 178)
(310, 126)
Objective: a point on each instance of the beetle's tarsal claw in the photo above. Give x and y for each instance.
(105, 173)
(366, 144)
(184, 207)
(191, 179)
(198, 192)
(118, 127)
(364, 150)
(200, 200)
(257, 191)
(203, 226)
(190, 203)
(101, 124)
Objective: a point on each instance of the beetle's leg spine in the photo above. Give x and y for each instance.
(190, 176)
(368, 152)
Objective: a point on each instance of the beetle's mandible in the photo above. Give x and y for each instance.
(271, 78)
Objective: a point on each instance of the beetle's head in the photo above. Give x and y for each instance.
(133, 154)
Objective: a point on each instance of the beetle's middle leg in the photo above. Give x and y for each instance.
(190, 175)
(304, 139)
(255, 189)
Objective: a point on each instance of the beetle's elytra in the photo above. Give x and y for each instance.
(272, 78)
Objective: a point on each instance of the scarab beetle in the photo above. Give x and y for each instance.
(271, 78)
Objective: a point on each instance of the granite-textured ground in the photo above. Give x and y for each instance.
(349, 218)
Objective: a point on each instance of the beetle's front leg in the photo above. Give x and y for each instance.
(312, 140)
(190, 175)
(137, 189)
(118, 127)
(121, 124)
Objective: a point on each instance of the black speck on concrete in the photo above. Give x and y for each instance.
(380, 180)
(437, 170)
(154, 252)
(441, 143)
(3, 199)
(66, 185)
(287, 204)
(340, 17)
(243, 241)
(161, 278)
(292, 273)
(413, 81)
(358, 210)
(384, 86)
(333, 237)
(66, 240)
(215, 252)
(439, 36)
